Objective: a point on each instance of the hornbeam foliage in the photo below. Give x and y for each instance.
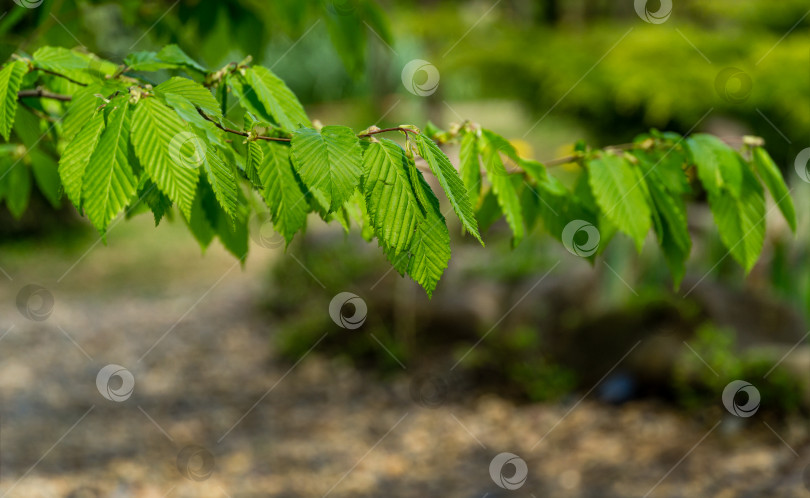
(111, 141)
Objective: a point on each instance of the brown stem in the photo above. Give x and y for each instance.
(44, 94)
(240, 133)
(406, 130)
(54, 73)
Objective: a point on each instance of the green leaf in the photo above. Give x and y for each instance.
(77, 154)
(254, 159)
(175, 55)
(392, 204)
(617, 190)
(470, 166)
(17, 187)
(155, 199)
(504, 191)
(279, 101)
(196, 94)
(46, 176)
(429, 253)
(222, 178)
(81, 109)
(198, 221)
(741, 219)
(282, 191)
(108, 180)
(10, 80)
(157, 135)
(328, 162)
(717, 164)
(452, 184)
(772, 178)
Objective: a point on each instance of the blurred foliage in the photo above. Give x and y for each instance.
(696, 384)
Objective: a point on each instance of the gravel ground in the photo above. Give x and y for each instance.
(214, 411)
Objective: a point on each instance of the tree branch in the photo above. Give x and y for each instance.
(54, 73)
(240, 133)
(43, 94)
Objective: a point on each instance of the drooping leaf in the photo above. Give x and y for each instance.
(452, 184)
(81, 109)
(222, 178)
(429, 252)
(253, 159)
(194, 92)
(17, 180)
(392, 204)
(279, 101)
(282, 191)
(175, 55)
(741, 219)
(328, 162)
(74, 159)
(504, 191)
(717, 164)
(772, 178)
(157, 136)
(470, 166)
(108, 180)
(10, 80)
(618, 192)
(46, 175)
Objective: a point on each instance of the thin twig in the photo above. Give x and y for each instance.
(240, 133)
(54, 73)
(44, 94)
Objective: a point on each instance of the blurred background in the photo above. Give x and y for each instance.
(603, 379)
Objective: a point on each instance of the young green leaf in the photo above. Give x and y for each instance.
(175, 55)
(772, 178)
(10, 80)
(741, 219)
(81, 109)
(470, 166)
(279, 101)
(504, 190)
(74, 159)
(391, 200)
(108, 180)
(222, 178)
(717, 164)
(617, 190)
(254, 159)
(448, 178)
(158, 135)
(194, 92)
(328, 162)
(17, 185)
(46, 175)
(282, 190)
